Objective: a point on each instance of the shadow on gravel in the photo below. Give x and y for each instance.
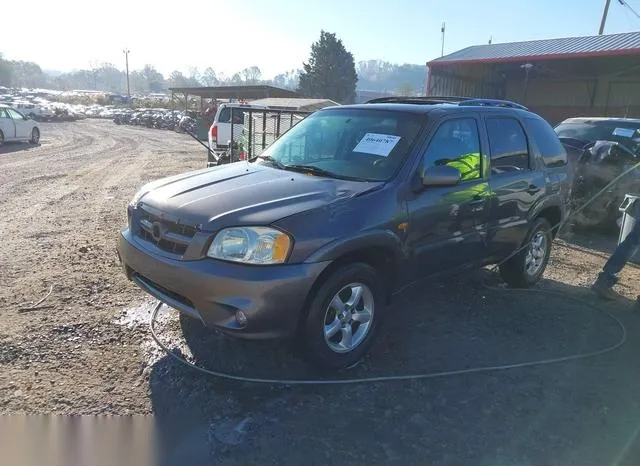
(543, 415)
(11, 147)
(602, 243)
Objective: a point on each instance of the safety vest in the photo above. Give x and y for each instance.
(469, 166)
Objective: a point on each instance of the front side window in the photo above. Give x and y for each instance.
(456, 143)
(508, 143)
(361, 144)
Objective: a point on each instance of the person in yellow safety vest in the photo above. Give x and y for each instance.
(468, 165)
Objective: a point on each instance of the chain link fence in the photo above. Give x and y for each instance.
(259, 128)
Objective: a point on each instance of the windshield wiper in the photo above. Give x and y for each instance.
(269, 159)
(320, 172)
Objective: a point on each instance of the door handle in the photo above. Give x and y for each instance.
(533, 189)
(477, 199)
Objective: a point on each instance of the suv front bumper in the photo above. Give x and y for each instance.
(271, 297)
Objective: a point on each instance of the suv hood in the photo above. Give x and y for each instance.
(244, 194)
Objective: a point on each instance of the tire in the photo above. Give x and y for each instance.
(325, 344)
(1, 138)
(35, 136)
(527, 267)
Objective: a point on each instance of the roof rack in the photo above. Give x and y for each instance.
(460, 101)
(493, 103)
(415, 100)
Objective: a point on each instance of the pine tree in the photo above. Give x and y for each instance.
(331, 71)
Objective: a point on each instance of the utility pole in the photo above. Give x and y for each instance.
(442, 30)
(126, 60)
(604, 16)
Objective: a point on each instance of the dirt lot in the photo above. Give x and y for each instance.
(86, 349)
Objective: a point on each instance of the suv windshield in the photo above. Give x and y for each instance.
(362, 144)
(587, 131)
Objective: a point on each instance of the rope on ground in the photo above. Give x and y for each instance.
(35, 305)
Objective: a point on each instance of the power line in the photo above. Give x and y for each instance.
(624, 3)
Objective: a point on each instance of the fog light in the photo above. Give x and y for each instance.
(241, 319)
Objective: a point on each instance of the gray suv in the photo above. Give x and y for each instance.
(311, 239)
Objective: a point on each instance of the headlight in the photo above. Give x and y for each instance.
(137, 196)
(251, 245)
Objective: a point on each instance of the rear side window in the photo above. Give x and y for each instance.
(546, 142)
(508, 143)
(225, 116)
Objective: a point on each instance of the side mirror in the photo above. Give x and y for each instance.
(442, 175)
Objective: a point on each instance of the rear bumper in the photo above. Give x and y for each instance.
(271, 297)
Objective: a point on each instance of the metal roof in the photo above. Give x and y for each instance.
(295, 104)
(570, 47)
(236, 92)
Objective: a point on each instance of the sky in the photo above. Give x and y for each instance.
(276, 35)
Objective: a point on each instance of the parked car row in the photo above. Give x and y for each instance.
(175, 120)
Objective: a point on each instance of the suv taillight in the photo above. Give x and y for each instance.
(214, 132)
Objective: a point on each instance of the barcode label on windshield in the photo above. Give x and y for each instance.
(377, 144)
(624, 132)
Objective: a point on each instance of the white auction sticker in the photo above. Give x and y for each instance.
(377, 144)
(624, 132)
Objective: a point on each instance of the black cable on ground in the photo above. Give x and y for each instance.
(419, 376)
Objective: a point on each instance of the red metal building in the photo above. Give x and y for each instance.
(557, 78)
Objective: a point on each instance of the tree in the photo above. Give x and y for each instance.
(377, 75)
(288, 80)
(251, 75)
(209, 77)
(153, 81)
(177, 79)
(194, 75)
(330, 72)
(5, 72)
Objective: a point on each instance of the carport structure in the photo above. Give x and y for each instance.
(557, 78)
(249, 92)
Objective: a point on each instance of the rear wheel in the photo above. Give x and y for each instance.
(35, 136)
(526, 268)
(343, 318)
(1, 138)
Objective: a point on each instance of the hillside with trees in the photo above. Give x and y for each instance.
(372, 75)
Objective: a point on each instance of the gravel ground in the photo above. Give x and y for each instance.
(86, 348)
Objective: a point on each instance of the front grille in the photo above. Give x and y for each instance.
(175, 237)
(163, 291)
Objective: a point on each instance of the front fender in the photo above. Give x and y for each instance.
(363, 240)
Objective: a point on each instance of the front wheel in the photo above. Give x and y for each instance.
(35, 136)
(526, 268)
(343, 317)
